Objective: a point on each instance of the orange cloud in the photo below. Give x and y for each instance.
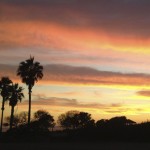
(144, 93)
(50, 35)
(34, 24)
(54, 42)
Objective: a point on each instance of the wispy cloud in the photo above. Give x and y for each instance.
(66, 102)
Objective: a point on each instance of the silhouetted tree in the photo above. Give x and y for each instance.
(16, 95)
(84, 120)
(68, 120)
(30, 72)
(75, 120)
(5, 83)
(120, 121)
(43, 120)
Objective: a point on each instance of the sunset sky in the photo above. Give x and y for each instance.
(95, 54)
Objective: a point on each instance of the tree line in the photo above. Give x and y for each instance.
(43, 121)
(75, 126)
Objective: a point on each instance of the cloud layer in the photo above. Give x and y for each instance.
(87, 75)
(65, 102)
(114, 16)
(113, 35)
(120, 25)
(57, 74)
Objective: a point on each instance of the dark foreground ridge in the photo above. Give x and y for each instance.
(78, 128)
(76, 146)
(107, 133)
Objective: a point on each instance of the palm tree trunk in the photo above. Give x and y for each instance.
(11, 117)
(3, 102)
(29, 112)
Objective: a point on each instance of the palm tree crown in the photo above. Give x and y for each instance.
(16, 94)
(30, 71)
(5, 93)
(4, 87)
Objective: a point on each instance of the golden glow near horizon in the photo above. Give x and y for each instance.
(95, 59)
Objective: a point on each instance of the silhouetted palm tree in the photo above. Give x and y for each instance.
(30, 72)
(4, 88)
(16, 95)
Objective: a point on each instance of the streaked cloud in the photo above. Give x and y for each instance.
(118, 25)
(126, 110)
(144, 93)
(56, 74)
(59, 105)
(65, 102)
(87, 75)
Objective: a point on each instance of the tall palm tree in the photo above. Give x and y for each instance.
(16, 95)
(30, 72)
(5, 83)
